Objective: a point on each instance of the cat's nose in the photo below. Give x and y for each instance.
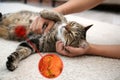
(67, 29)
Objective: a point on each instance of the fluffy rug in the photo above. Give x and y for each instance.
(77, 68)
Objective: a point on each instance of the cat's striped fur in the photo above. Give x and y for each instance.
(71, 33)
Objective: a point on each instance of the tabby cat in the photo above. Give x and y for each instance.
(70, 33)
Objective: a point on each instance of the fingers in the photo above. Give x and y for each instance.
(68, 50)
(76, 51)
(38, 23)
(73, 49)
(59, 46)
(33, 25)
(50, 25)
(60, 49)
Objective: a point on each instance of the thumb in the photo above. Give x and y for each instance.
(50, 25)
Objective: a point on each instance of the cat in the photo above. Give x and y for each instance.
(9, 21)
(69, 32)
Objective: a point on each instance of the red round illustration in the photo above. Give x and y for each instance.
(20, 31)
(50, 66)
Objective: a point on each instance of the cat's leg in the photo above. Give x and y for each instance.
(25, 49)
(52, 15)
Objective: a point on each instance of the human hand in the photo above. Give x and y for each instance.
(37, 25)
(70, 51)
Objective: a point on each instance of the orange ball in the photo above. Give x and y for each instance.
(50, 66)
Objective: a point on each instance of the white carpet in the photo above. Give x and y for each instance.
(78, 68)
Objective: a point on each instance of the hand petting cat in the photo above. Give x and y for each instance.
(70, 51)
(37, 25)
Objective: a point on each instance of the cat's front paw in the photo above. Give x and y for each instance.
(12, 63)
(53, 15)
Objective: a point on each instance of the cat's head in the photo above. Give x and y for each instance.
(72, 33)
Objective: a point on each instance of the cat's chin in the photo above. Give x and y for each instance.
(60, 35)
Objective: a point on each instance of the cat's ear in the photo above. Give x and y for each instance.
(87, 27)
